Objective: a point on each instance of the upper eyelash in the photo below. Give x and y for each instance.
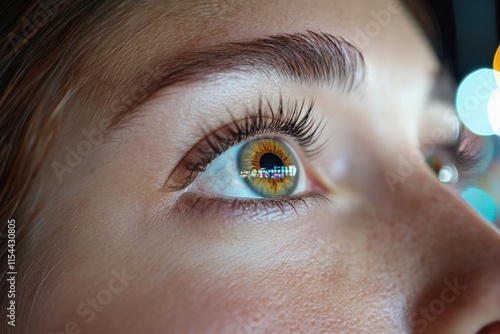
(292, 119)
(466, 157)
(464, 152)
(296, 123)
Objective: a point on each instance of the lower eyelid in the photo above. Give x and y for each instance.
(201, 207)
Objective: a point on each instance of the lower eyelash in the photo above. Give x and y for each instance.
(203, 207)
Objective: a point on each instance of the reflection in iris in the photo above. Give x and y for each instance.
(278, 172)
(268, 167)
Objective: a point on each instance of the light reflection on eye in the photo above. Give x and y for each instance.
(446, 171)
(259, 168)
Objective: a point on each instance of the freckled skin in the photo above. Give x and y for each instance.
(372, 262)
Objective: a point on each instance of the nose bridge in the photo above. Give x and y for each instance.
(454, 254)
(457, 253)
(437, 223)
(402, 185)
(402, 191)
(438, 214)
(434, 241)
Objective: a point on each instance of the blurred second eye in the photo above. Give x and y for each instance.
(259, 168)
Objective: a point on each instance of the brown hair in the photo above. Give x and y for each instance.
(41, 50)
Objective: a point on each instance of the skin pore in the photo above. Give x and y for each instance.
(371, 258)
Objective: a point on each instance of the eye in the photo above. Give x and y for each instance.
(442, 164)
(258, 168)
(463, 161)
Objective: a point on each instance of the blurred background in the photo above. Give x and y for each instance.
(467, 37)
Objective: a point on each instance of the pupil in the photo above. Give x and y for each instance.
(270, 160)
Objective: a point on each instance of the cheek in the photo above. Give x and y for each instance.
(214, 278)
(211, 276)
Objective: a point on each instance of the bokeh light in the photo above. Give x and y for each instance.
(482, 202)
(472, 101)
(494, 111)
(496, 65)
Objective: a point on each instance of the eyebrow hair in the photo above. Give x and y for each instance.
(310, 58)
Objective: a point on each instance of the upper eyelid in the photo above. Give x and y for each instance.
(303, 126)
(303, 57)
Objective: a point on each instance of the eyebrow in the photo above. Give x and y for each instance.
(308, 58)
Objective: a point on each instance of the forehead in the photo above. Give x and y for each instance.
(158, 30)
(146, 34)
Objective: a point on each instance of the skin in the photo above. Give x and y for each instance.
(375, 261)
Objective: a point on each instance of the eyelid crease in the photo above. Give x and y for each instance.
(310, 57)
(288, 119)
